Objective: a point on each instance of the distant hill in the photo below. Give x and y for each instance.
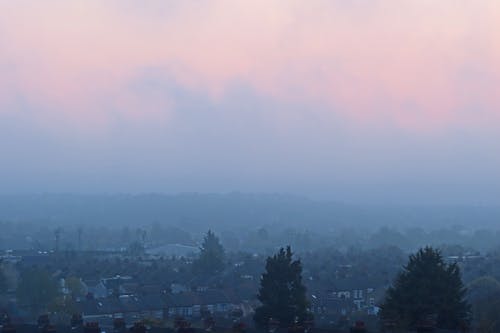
(192, 210)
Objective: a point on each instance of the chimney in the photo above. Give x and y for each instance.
(138, 328)
(359, 327)
(43, 321)
(76, 320)
(91, 328)
(119, 325)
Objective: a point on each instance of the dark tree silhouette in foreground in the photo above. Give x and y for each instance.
(428, 292)
(282, 294)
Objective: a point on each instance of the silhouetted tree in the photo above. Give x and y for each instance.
(36, 289)
(57, 238)
(484, 294)
(282, 293)
(3, 280)
(75, 287)
(212, 255)
(427, 292)
(80, 235)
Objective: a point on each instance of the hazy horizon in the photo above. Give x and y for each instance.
(354, 198)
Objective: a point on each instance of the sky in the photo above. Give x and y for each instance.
(357, 101)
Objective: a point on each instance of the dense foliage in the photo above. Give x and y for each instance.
(212, 255)
(36, 289)
(3, 280)
(426, 290)
(282, 294)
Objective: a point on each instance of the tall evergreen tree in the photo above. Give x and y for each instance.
(36, 289)
(427, 289)
(282, 293)
(3, 280)
(212, 255)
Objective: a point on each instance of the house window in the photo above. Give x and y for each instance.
(344, 294)
(184, 311)
(357, 293)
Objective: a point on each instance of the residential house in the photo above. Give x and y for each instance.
(99, 310)
(358, 291)
(192, 304)
(95, 288)
(131, 308)
(324, 305)
(114, 285)
(176, 288)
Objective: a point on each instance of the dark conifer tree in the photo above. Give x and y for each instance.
(427, 291)
(3, 280)
(282, 293)
(36, 289)
(212, 255)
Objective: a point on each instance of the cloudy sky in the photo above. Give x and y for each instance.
(361, 100)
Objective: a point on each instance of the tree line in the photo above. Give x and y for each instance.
(427, 291)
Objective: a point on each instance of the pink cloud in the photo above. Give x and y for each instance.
(413, 64)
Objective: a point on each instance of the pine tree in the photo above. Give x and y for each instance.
(36, 289)
(282, 294)
(426, 290)
(212, 255)
(3, 280)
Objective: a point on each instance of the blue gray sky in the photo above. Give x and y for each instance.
(375, 101)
